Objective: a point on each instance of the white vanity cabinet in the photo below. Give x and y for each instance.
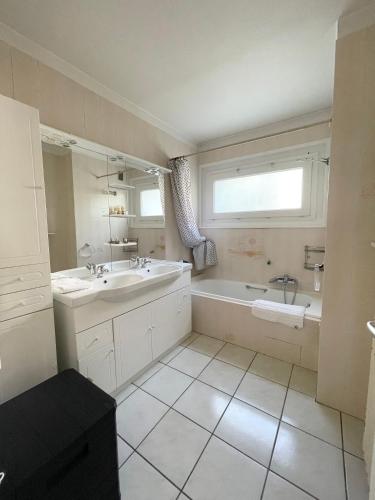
(130, 334)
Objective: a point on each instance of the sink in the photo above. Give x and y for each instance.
(109, 287)
(119, 281)
(158, 270)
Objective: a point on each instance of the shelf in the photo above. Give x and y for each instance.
(121, 186)
(120, 216)
(51, 234)
(121, 244)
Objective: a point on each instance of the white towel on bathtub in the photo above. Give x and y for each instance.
(279, 313)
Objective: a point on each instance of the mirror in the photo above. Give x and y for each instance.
(100, 209)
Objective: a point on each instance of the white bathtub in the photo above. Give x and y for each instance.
(222, 309)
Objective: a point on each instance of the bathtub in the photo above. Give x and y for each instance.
(222, 309)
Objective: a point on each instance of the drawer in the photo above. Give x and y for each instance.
(94, 338)
(26, 302)
(15, 279)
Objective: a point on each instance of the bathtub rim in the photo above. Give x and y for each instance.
(315, 309)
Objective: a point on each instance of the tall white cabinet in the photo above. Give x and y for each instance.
(27, 340)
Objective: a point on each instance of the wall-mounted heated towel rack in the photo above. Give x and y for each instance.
(311, 262)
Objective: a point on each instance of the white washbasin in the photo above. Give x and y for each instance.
(119, 281)
(158, 270)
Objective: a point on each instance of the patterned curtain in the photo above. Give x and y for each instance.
(204, 250)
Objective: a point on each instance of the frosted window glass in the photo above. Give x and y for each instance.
(151, 203)
(280, 190)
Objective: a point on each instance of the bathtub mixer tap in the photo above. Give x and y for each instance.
(285, 280)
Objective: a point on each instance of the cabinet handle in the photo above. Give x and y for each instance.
(149, 330)
(93, 341)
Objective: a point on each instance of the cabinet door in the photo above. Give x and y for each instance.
(100, 368)
(23, 218)
(27, 352)
(132, 333)
(165, 323)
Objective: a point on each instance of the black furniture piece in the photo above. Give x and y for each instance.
(58, 442)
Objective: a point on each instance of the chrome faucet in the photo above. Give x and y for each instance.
(285, 279)
(92, 268)
(145, 261)
(139, 262)
(100, 270)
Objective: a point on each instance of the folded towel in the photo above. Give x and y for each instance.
(286, 314)
(68, 285)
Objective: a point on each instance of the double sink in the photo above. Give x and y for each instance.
(115, 284)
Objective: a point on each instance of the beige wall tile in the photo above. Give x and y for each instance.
(6, 85)
(26, 78)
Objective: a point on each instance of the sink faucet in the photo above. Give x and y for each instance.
(92, 268)
(100, 270)
(139, 262)
(145, 261)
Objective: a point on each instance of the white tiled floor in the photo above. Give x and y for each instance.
(217, 421)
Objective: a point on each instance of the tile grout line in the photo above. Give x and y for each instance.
(170, 407)
(277, 434)
(232, 396)
(159, 420)
(218, 422)
(343, 457)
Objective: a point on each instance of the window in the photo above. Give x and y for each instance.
(276, 190)
(260, 192)
(146, 202)
(150, 203)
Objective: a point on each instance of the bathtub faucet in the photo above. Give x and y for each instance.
(285, 279)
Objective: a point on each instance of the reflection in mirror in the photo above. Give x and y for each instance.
(98, 209)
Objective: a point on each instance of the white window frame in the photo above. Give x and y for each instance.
(313, 212)
(143, 184)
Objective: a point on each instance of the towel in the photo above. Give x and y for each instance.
(204, 255)
(68, 285)
(279, 313)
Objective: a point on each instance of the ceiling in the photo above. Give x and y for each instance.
(206, 68)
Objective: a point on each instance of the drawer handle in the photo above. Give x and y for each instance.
(93, 341)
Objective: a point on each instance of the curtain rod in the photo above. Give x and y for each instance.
(325, 122)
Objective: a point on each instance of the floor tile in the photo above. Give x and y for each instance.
(263, 394)
(140, 481)
(147, 374)
(167, 385)
(236, 355)
(308, 462)
(356, 478)
(125, 393)
(190, 362)
(305, 413)
(190, 339)
(224, 473)
(172, 354)
(353, 429)
(279, 489)
(137, 415)
(123, 451)
(303, 380)
(206, 345)
(203, 404)
(223, 376)
(271, 368)
(174, 446)
(248, 429)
